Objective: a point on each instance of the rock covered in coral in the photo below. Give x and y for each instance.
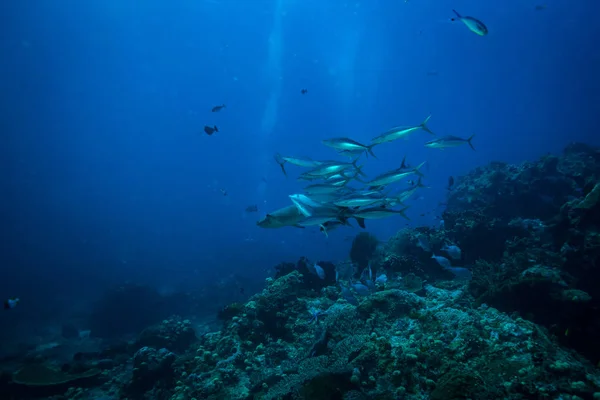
(532, 234)
(174, 333)
(395, 344)
(152, 369)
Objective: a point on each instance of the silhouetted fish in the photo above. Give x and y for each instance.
(450, 183)
(11, 303)
(253, 208)
(218, 108)
(210, 130)
(304, 91)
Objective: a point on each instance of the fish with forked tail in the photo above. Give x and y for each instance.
(402, 132)
(449, 141)
(210, 130)
(473, 24)
(346, 144)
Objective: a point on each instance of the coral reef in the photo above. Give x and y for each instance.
(499, 302)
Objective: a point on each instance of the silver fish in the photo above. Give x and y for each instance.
(326, 188)
(357, 201)
(298, 161)
(301, 161)
(305, 204)
(402, 132)
(349, 145)
(379, 212)
(396, 175)
(350, 153)
(449, 141)
(473, 24)
(406, 194)
(287, 216)
(325, 198)
(327, 170)
(317, 220)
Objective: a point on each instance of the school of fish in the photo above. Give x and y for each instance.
(331, 201)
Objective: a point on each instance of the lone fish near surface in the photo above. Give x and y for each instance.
(473, 24)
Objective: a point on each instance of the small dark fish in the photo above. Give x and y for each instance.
(253, 208)
(218, 108)
(223, 192)
(450, 183)
(304, 91)
(11, 303)
(540, 7)
(209, 131)
(242, 291)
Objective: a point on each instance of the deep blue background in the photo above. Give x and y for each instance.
(106, 175)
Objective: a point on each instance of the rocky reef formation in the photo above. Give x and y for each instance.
(510, 313)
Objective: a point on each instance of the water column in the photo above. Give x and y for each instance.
(273, 79)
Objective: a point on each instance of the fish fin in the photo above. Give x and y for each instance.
(324, 230)
(416, 170)
(403, 165)
(469, 141)
(360, 222)
(457, 15)
(420, 184)
(425, 127)
(215, 128)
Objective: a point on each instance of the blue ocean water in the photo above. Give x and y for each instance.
(108, 177)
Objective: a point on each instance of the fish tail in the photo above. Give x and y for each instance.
(425, 127)
(457, 15)
(416, 170)
(370, 150)
(281, 163)
(403, 212)
(215, 128)
(469, 141)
